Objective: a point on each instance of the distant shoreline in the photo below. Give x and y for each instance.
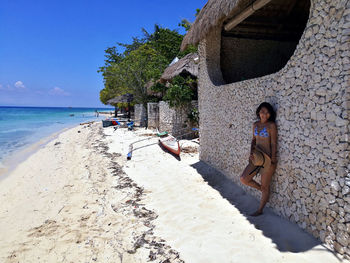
(106, 112)
(21, 128)
(97, 108)
(11, 161)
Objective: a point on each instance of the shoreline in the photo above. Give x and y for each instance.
(36, 124)
(73, 188)
(77, 199)
(106, 112)
(10, 161)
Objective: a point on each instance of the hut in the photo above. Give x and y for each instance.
(176, 120)
(295, 55)
(186, 66)
(125, 98)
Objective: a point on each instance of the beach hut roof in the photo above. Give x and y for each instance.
(188, 63)
(210, 16)
(231, 13)
(125, 98)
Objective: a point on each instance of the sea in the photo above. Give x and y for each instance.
(21, 127)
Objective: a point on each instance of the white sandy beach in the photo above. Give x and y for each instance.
(79, 200)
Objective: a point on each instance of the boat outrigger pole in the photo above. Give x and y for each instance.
(131, 146)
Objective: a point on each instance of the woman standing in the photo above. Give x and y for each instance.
(262, 157)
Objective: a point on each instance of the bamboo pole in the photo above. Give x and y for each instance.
(245, 13)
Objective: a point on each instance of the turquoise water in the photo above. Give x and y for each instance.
(22, 126)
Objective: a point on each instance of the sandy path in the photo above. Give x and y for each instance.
(79, 200)
(207, 223)
(71, 202)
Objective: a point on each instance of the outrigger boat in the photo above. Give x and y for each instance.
(166, 140)
(171, 144)
(131, 148)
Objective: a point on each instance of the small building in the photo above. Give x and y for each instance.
(174, 120)
(186, 66)
(294, 54)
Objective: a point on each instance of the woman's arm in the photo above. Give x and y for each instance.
(253, 143)
(273, 132)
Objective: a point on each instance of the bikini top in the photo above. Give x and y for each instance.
(262, 133)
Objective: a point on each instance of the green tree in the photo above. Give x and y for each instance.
(136, 43)
(166, 42)
(159, 88)
(143, 60)
(185, 24)
(140, 66)
(180, 93)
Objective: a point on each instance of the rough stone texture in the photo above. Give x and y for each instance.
(140, 115)
(175, 121)
(153, 115)
(312, 97)
(166, 117)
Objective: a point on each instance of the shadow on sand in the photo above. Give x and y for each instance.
(287, 236)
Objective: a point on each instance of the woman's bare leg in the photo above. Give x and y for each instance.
(247, 177)
(266, 178)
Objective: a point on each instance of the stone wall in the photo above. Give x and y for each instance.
(153, 115)
(166, 116)
(175, 121)
(311, 186)
(140, 115)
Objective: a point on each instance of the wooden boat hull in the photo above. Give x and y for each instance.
(110, 122)
(171, 144)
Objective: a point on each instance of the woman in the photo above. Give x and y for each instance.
(264, 145)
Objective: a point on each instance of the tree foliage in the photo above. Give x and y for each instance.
(187, 24)
(180, 93)
(159, 88)
(143, 60)
(166, 42)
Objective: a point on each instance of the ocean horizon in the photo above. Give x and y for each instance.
(22, 126)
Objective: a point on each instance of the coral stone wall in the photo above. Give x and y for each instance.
(311, 185)
(140, 115)
(175, 121)
(166, 117)
(153, 115)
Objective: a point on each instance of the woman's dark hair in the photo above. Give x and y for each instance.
(269, 108)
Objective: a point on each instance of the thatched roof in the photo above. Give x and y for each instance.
(125, 98)
(281, 14)
(213, 13)
(188, 63)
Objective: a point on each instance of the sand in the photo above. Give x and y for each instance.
(78, 199)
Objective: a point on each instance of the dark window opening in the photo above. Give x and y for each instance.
(263, 43)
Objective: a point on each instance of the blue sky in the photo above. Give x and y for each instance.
(50, 50)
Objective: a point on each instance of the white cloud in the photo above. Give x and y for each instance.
(19, 85)
(58, 91)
